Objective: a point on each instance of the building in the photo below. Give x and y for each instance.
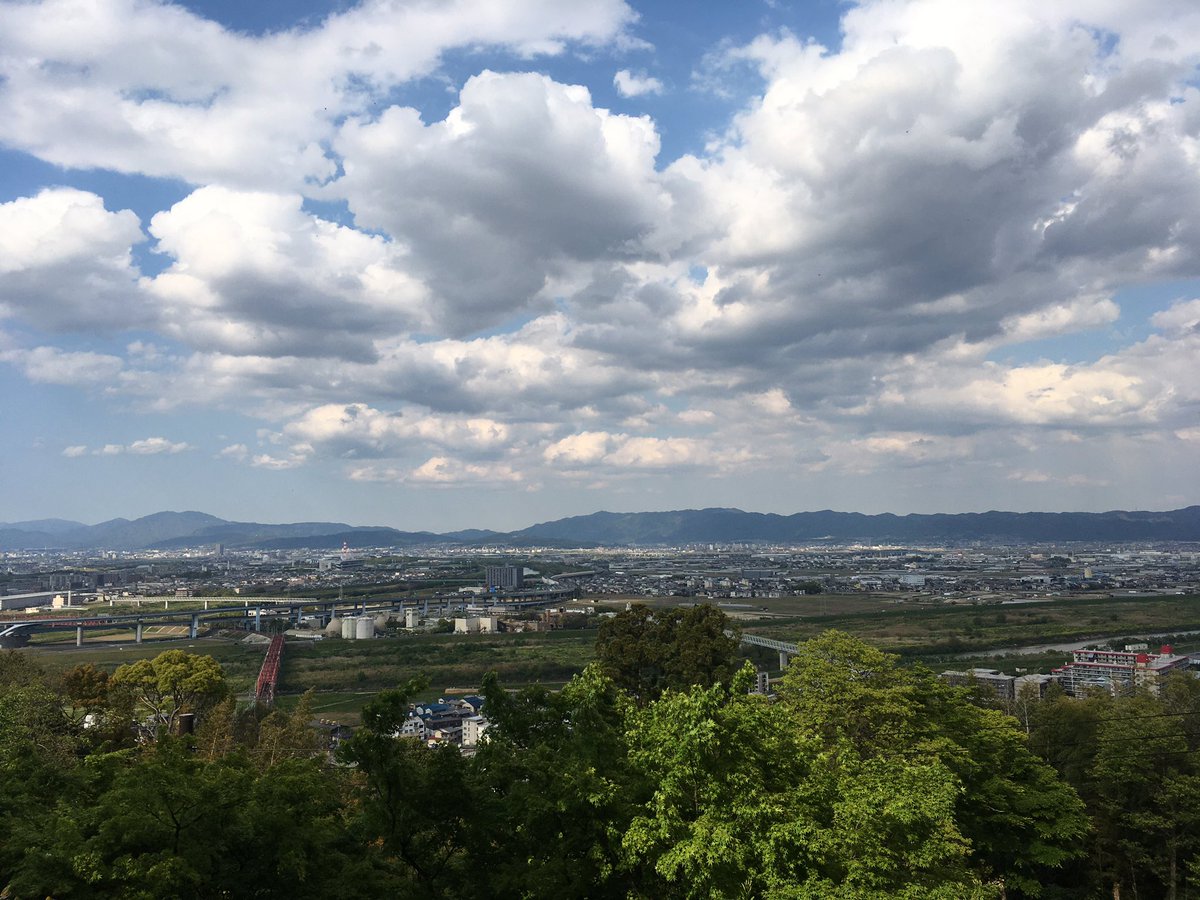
(473, 728)
(1033, 685)
(1119, 671)
(505, 578)
(1003, 686)
(477, 625)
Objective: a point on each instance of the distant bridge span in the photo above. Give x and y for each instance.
(239, 609)
(786, 649)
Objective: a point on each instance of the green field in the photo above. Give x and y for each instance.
(916, 631)
(448, 661)
(346, 674)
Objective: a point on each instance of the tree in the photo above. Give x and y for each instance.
(646, 651)
(551, 783)
(86, 690)
(418, 842)
(1016, 816)
(749, 802)
(167, 824)
(172, 683)
(287, 735)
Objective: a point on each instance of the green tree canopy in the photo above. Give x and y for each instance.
(647, 651)
(172, 683)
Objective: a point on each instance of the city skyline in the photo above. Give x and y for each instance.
(496, 262)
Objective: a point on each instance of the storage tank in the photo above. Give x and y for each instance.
(410, 617)
(348, 628)
(365, 627)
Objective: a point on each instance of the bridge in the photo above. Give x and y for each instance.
(785, 648)
(291, 608)
(255, 607)
(268, 676)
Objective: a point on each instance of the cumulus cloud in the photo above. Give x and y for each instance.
(151, 446)
(65, 263)
(629, 452)
(439, 471)
(297, 457)
(522, 179)
(630, 85)
(1071, 480)
(155, 445)
(157, 89)
(841, 282)
(50, 365)
(358, 429)
(252, 273)
(236, 452)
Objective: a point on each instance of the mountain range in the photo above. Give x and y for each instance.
(177, 530)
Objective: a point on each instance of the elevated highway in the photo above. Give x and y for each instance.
(785, 648)
(241, 611)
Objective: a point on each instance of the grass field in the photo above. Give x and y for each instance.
(937, 631)
(346, 674)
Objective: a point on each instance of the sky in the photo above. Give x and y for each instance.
(442, 264)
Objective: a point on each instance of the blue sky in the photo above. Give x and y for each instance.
(488, 262)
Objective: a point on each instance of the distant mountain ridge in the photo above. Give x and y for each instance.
(178, 530)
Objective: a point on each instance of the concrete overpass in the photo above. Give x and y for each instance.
(217, 608)
(785, 648)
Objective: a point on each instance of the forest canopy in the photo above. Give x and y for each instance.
(655, 773)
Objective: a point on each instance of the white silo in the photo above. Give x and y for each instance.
(348, 628)
(364, 627)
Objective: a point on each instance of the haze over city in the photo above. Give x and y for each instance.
(494, 262)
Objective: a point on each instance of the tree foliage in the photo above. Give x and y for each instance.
(652, 774)
(172, 683)
(647, 651)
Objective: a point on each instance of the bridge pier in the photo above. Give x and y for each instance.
(258, 618)
(194, 632)
(78, 635)
(784, 656)
(138, 638)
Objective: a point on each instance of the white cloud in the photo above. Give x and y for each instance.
(528, 291)
(524, 172)
(585, 448)
(155, 445)
(439, 471)
(1181, 317)
(49, 365)
(150, 446)
(254, 274)
(157, 89)
(236, 452)
(278, 463)
(65, 263)
(358, 429)
(1069, 480)
(631, 85)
